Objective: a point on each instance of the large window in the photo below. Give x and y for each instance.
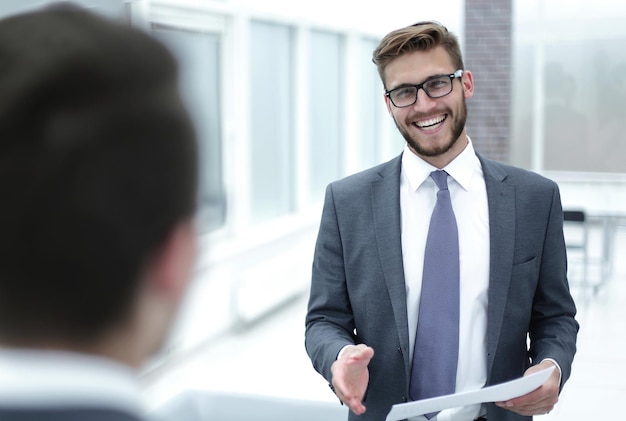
(369, 101)
(377, 136)
(326, 103)
(272, 140)
(569, 86)
(198, 54)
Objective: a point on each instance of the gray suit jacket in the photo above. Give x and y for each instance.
(358, 288)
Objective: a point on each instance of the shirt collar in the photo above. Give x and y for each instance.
(56, 379)
(461, 169)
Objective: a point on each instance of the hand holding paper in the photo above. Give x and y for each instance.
(539, 401)
(497, 393)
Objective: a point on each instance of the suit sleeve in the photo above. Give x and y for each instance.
(553, 329)
(329, 320)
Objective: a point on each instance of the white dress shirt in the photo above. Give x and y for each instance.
(418, 193)
(55, 379)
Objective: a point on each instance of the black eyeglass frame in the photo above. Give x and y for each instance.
(455, 75)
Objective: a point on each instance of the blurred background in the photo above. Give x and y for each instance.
(286, 99)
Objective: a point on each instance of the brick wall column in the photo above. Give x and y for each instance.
(488, 53)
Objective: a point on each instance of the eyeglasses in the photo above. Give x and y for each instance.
(435, 87)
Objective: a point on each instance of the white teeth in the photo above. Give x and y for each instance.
(430, 122)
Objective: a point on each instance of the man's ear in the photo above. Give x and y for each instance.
(388, 104)
(468, 84)
(172, 264)
(164, 281)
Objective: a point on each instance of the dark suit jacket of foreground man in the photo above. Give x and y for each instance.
(92, 414)
(528, 292)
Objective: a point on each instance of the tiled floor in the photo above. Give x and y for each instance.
(270, 359)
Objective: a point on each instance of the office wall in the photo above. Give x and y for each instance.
(488, 54)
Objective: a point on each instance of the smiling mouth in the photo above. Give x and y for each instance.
(431, 122)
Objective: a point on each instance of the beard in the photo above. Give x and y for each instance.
(458, 124)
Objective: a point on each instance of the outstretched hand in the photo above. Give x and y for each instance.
(541, 400)
(351, 376)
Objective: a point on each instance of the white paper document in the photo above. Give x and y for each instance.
(495, 393)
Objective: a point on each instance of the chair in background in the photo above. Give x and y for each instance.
(576, 232)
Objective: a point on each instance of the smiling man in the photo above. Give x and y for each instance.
(432, 270)
(434, 126)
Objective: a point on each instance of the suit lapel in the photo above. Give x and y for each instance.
(386, 210)
(501, 199)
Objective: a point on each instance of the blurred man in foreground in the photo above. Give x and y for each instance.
(98, 186)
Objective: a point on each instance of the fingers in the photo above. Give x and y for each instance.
(531, 408)
(538, 402)
(351, 389)
(351, 376)
(359, 354)
(352, 402)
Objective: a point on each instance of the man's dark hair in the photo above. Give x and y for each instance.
(421, 36)
(97, 165)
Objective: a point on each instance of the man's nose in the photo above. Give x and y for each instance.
(423, 102)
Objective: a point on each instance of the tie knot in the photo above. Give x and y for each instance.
(441, 179)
